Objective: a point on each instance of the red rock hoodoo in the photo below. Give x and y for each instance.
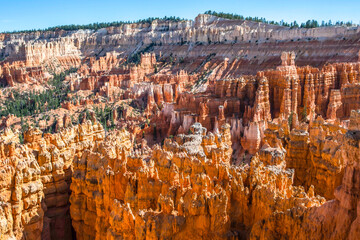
(204, 129)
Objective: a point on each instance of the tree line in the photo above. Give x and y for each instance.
(97, 25)
(307, 24)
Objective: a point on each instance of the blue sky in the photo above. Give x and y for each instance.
(30, 14)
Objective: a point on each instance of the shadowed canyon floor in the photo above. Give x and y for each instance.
(204, 129)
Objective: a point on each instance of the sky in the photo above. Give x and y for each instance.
(39, 14)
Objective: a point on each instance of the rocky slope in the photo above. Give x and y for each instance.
(257, 45)
(205, 129)
(37, 178)
(186, 189)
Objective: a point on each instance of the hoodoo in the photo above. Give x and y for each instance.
(212, 128)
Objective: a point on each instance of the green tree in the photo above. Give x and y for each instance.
(304, 113)
(290, 119)
(155, 68)
(21, 138)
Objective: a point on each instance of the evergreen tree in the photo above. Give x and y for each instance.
(290, 119)
(304, 113)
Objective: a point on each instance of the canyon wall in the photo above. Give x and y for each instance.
(253, 44)
(186, 189)
(213, 128)
(338, 219)
(36, 180)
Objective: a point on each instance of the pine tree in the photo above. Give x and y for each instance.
(155, 68)
(290, 119)
(21, 138)
(304, 113)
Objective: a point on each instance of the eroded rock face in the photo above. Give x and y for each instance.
(37, 178)
(200, 150)
(336, 219)
(242, 47)
(187, 189)
(21, 190)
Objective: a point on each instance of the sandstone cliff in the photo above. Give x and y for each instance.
(336, 219)
(37, 178)
(205, 129)
(186, 190)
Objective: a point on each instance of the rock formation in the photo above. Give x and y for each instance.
(204, 129)
(188, 189)
(38, 178)
(336, 219)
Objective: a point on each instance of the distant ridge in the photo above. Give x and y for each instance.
(96, 26)
(307, 24)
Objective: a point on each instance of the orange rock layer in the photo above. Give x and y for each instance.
(187, 189)
(200, 150)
